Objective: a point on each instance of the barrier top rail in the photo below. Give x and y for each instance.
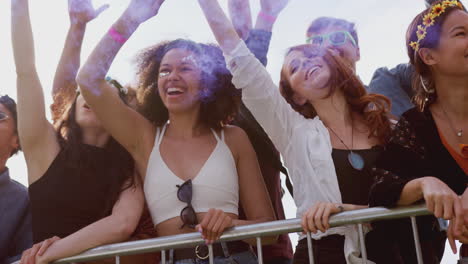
(243, 232)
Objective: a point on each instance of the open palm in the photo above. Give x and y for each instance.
(82, 11)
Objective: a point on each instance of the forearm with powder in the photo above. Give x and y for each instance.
(98, 63)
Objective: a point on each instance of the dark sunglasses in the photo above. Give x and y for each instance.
(188, 215)
(3, 116)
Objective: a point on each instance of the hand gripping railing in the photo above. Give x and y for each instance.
(257, 230)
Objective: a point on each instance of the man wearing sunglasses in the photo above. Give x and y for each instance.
(15, 218)
(328, 32)
(339, 34)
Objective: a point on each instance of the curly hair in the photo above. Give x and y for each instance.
(374, 108)
(423, 71)
(219, 98)
(70, 137)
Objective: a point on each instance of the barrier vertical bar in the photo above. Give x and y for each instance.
(210, 253)
(417, 244)
(363, 244)
(259, 250)
(117, 259)
(163, 257)
(309, 248)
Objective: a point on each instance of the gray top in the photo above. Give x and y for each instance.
(15, 219)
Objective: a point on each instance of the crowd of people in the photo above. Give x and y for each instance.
(202, 137)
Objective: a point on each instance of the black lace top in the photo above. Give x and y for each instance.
(414, 151)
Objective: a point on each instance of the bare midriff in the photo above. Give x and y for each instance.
(172, 226)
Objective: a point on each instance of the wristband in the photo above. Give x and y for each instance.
(267, 17)
(116, 36)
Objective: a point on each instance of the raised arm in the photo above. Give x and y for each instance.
(259, 38)
(259, 93)
(37, 136)
(221, 26)
(239, 11)
(130, 129)
(80, 12)
(269, 11)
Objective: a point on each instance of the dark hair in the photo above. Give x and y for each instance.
(70, 138)
(10, 104)
(431, 41)
(322, 23)
(373, 108)
(220, 99)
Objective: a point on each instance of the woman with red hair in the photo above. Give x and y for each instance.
(329, 144)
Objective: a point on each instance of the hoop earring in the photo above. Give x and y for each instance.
(425, 87)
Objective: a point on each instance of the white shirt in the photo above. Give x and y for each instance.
(304, 143)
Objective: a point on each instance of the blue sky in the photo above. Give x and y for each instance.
(381, 28)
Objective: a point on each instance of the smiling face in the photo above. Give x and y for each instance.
(451, 55)
(307, 74)
(179, 80)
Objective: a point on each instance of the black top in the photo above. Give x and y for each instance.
(415, 150)
(354, 184)
(70, 196)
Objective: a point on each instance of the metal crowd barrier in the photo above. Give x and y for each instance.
(164, 244)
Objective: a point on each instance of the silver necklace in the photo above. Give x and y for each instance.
(459, 133)
(355, 160)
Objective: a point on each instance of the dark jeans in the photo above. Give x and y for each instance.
(278, 260)
(330, 249)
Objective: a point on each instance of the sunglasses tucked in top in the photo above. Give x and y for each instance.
(188, 215)
(216, 185)
(336, 38)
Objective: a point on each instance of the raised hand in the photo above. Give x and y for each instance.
(213, 225)
(239, 11)
(141, 10)
(82, 11)
(273, 7)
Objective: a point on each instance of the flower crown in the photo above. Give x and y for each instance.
(429, 19)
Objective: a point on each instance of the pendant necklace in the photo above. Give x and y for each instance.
(356, 160)
(459, 133)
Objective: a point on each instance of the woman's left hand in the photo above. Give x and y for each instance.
(213, 225)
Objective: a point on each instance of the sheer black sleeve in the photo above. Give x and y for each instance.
(401, 162)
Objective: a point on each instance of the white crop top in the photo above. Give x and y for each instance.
(215, 186)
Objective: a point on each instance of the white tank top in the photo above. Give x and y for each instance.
(215, 186)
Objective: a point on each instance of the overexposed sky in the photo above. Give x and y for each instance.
(381, 27)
